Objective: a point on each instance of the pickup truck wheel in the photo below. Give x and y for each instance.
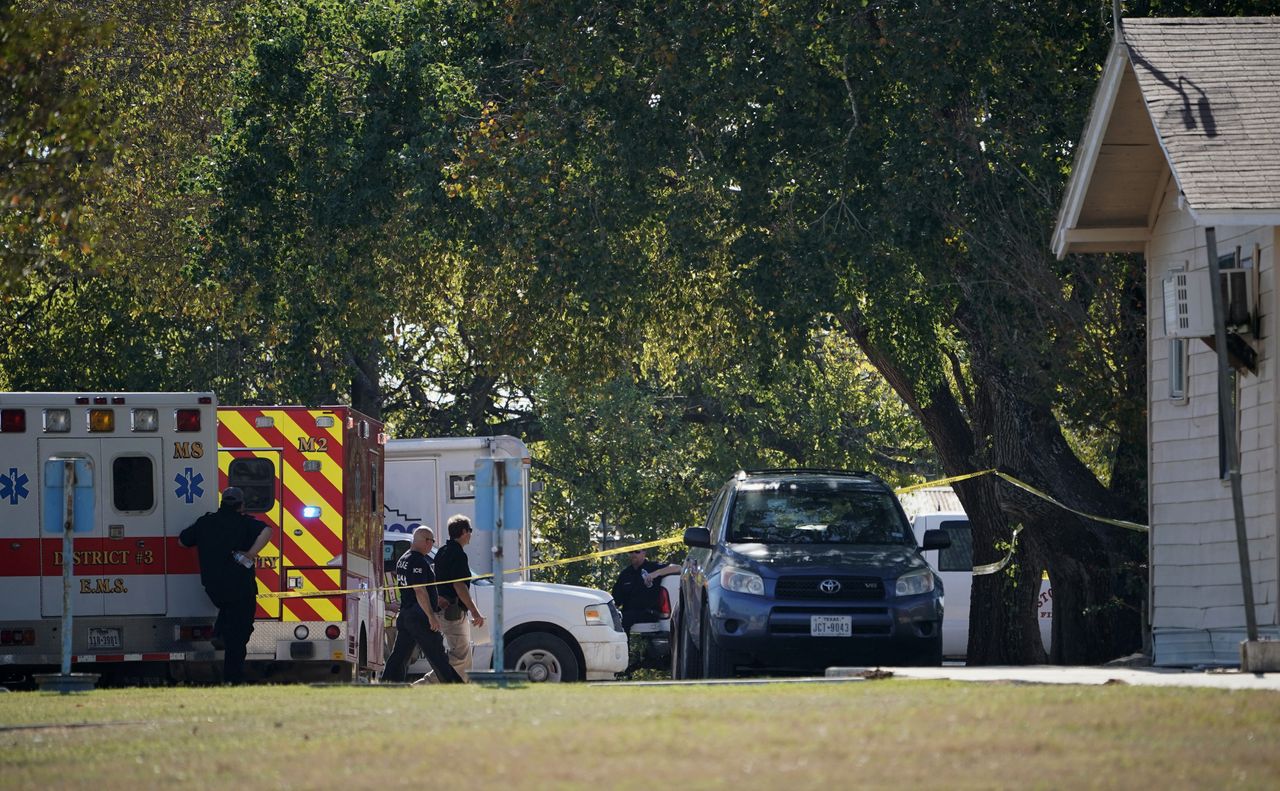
(543, 656)
(716, 663)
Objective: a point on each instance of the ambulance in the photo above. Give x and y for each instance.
(315, 476)
(147, 468)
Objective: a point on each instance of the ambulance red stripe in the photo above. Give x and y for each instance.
(36, 557)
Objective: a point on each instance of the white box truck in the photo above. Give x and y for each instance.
(552, 632)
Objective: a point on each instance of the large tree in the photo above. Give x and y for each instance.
(891, 168)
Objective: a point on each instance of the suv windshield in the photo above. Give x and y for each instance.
(815, 512)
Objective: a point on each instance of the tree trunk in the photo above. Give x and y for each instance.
(1002, 612)
(1097, 595)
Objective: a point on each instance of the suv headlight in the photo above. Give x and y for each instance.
(741, 581)
(915, 583)
(597, 614)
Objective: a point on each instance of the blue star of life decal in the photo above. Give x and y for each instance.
(13, 487)
(189, 485)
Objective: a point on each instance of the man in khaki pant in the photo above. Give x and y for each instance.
(453, 571)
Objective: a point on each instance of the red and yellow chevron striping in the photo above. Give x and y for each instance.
(307, 512)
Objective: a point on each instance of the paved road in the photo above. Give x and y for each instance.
(1055, 674)
(1035, 674)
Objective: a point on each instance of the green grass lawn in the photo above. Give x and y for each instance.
(890, 733)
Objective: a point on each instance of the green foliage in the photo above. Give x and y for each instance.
(51, 129)
(327, 182)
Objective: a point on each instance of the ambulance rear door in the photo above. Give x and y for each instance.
(120, 564)
(257, 471)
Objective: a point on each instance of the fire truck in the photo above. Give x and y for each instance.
(315, 476)
(139, 610)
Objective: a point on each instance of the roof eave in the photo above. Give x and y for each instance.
(1090, 146)
(1239, 217)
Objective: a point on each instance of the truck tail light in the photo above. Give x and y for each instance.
(664, 603)
(203, 631)
(332, 631)
(13, 421)
(17, 636)
(188, 419)
(102, 420)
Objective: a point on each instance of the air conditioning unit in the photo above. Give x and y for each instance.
(1188, 311)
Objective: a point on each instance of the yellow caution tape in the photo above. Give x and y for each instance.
(562, 562)
(942, 481)
(1026, 487)
(1000, 565)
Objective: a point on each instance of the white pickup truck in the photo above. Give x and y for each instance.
(551, 632)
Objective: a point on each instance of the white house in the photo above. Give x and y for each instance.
(1184, 136)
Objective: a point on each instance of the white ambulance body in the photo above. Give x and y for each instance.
(136, 598)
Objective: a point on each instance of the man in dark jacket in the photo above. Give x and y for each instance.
(454, 573)
(418, 621)
(227, 542)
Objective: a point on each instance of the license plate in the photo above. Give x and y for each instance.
(104, 637)
(831, 626)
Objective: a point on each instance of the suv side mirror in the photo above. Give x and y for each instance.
(697, 537)
(936, 539)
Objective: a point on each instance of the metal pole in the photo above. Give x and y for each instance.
(68, 559)
(500, 484)
(1227, 422)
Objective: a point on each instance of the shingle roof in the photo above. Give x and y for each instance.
(1212, 87)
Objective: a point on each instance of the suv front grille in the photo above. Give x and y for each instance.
(851, 588)
(617, 617)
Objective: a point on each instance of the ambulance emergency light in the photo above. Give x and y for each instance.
(55, 495)
(187, 419)
(57, 421)
(144, 419)
(13, 421)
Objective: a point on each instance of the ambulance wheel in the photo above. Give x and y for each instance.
(544, 657)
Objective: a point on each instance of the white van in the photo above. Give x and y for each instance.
(955, 565)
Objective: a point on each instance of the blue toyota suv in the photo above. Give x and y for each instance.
(801, 570)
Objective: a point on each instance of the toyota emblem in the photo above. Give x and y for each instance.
(829, 586)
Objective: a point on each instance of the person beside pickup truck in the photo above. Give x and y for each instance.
(454, 573)
(419, 620)
(637, 592)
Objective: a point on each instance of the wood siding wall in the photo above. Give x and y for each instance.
(1195, 577)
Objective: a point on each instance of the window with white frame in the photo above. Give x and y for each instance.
(1178, 361)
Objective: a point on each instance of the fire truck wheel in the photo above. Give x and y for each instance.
(543, 656)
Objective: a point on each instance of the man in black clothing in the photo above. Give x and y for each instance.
(636, 591)
(227, 542)
(453, 569)
(418, 621)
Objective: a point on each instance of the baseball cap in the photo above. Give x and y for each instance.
(233, 495)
